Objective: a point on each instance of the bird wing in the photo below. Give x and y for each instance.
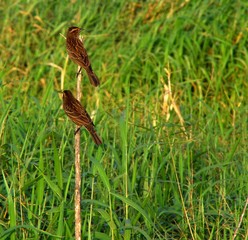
(78, 114)
(78, 53)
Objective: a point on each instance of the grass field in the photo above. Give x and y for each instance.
(171, 110)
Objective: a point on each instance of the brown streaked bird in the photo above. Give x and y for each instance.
(76, 112)
(78, 54)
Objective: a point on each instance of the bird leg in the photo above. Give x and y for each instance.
(79, 71)
(77, 131)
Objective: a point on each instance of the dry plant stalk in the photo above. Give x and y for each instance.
(240, 220)
(170, 103)
(78, 170)
(77, 158)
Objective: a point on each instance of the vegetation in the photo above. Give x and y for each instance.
(171, 110)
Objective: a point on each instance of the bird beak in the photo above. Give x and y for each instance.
(58, 91)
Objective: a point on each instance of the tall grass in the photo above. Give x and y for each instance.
(156, 176)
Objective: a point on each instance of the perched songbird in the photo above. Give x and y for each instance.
(76, 112)
(78, 54)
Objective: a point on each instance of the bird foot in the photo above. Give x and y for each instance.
(78, 72)
(76, 131)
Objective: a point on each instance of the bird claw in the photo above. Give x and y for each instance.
(78, 72)
(76, 131)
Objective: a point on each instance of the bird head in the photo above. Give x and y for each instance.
(67, 94)
(73, 31)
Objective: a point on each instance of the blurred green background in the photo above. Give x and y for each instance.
(171, 110)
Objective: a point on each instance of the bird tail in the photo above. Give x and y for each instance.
(93, 134)
(95, 137)
(93, 78)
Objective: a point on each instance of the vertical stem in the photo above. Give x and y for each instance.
(240, 220)
(78, 171)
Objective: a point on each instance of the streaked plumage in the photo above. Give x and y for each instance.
(76, 112)
(78, 54)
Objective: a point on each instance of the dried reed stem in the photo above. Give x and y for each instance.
(78, 171)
